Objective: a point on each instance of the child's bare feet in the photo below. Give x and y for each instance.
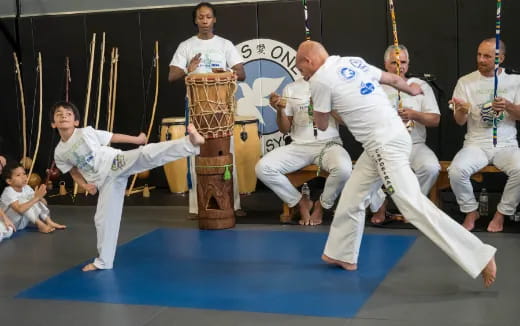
(305, 206)
(342, 264)
(44, 228)
(55, 225)
(89, 268)
(469, 221)
(317, 213)
(489, 273)
(497, 223)
(193, 134)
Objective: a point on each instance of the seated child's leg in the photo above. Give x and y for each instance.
(53, 224)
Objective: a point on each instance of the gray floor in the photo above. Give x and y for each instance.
(425, 288)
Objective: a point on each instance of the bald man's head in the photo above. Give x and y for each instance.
(310, 57)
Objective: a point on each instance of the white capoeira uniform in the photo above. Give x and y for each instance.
(109, 168)
(37, 211)
(478, 150)
(325, 150)
(217, 53)
(423, 160)
(351, 87)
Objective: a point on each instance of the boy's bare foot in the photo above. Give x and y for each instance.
(55, 225)
(305, 206)
(342, 264)
(469, 221)
(317, 214)
(240, 213)
(497, 223)
(195, 137)
(489, 273)
(44, 228)
(89, 268)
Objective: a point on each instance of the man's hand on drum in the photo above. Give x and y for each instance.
(194, 63)
(276, 101)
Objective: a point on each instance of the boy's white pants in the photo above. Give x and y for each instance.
(274, 166)
(389, 163)
(36, 211)
(112, 192)
(470, 159)
(193, 201)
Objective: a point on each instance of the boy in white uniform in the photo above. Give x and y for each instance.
(202, 54)
(473, 101)
(94, 165)
(351, 87)
(22, 204)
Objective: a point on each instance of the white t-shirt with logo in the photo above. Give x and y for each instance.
(216, 52)
(351, 87)
(478, 91)
(425, 103)
(88, 150)
(9, 196)
(298, 96)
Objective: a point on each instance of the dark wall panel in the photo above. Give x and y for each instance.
(10, 141)
(432, 44)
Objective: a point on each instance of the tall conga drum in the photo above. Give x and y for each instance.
(176, 171)
(211, 101)
(247, 152)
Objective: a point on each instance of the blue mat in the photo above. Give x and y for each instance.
(260, 271)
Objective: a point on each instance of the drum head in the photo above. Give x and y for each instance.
(227, 75)
(245, 119)
(173, 121)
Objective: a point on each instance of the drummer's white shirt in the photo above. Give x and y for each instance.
(216, 52)
(298, 96)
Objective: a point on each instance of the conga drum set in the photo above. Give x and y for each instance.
(211, 101)
(176, 171)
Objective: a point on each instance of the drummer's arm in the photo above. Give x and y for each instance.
(239, 71)
(175, 74)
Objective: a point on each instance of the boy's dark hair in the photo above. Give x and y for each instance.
(200, 5)
(66, 105)
(8, 169)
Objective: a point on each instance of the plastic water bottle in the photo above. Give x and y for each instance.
(483, 202)
(306, 191)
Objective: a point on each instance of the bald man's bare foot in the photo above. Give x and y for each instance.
(89, 268)
(497, 223)
(305, 206)
(469, 221)
(342, 264)
(489, 273)
(317, 213)
(195, 137)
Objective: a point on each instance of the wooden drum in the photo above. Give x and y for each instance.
(247, 152)
(176, 171)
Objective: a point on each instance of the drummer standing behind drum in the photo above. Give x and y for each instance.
(206, 53)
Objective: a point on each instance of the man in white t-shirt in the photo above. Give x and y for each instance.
(309, 146)
(473, 104)
(351, 87)
(424, 112)
(205, 53)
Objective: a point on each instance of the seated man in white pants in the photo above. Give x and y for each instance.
(309, 146)
(473, 103)
(423, 110)
(351, 87)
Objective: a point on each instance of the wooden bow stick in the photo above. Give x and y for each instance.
(154, 107)
(22, 106)
(40, 82)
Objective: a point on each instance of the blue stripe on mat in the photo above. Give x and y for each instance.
(259, 271)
